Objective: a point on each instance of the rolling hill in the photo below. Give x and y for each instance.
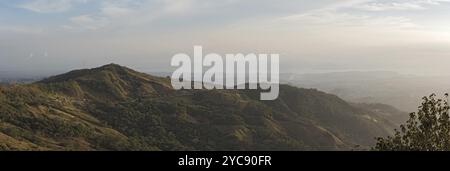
(115, 108)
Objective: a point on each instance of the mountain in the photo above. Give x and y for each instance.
(115, 108)
(401, 91)
(388, 112)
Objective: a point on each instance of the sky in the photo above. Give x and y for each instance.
(51, 36)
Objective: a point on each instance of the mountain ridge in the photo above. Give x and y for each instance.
(116, 108)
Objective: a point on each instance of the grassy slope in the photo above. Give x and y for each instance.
(116, 108)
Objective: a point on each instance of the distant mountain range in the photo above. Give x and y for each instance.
(401, 91)
(115, 108)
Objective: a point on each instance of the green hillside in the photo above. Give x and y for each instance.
(115, 108)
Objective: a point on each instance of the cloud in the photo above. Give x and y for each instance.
(364, 14)
(50, 6)
(119, 8)
(110, 11)
(333, 19)
(337, 15)
(86, 22)
(113, 11)
(119, 13)
(178, 6)
(399, 5)
(21, 29)
(391, 6)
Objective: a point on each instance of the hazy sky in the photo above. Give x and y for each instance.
(409, 36)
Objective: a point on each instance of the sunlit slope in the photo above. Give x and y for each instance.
(115, 108)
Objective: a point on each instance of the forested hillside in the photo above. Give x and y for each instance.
(115, 108)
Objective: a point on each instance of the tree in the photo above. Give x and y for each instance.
(426, 130)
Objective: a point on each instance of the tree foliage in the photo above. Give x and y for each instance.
(426, 130)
